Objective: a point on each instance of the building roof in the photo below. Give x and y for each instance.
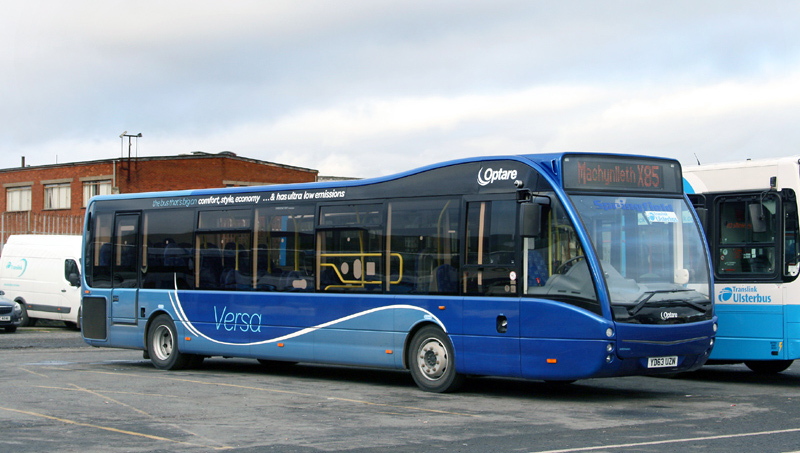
(192, 155)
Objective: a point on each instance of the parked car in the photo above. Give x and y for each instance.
(9, 314)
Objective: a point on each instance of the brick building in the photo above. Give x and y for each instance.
(59, 193)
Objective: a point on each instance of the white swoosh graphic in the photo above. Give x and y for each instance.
(176, 305)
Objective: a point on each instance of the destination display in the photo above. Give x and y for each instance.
(595, 173)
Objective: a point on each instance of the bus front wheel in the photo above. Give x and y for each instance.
(162, 345)
(768, 366)
(432, 361)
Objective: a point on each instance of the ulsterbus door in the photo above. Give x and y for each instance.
(491, 304)
(125, 269)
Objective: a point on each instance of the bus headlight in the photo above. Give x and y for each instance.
(609, 347)
(609, 358)
(715, 327)
(610, 332)
(711, 343)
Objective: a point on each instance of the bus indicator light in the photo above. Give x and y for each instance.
(389, 351)
(441, 307)
(280, 345)
(188, 338)
(552, 360)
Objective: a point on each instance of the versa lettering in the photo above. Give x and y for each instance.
(246, 322)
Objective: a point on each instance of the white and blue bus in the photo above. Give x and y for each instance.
(750, 216)
(556, 267)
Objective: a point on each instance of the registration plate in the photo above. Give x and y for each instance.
(661, 362)
(5, 318)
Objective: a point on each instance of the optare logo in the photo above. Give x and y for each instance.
(488, 176)
(725, 295)
(20, 266)
(668, 315)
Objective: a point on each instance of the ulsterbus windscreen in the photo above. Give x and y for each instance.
(596, 173)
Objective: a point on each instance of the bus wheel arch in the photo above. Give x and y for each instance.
(409, 337)
(431, 358)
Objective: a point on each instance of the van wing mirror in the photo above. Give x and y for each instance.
(531, 216)
(74, 280)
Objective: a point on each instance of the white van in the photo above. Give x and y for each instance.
(42, 274)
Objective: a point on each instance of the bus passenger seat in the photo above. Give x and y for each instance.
(445, 279)
(105, 255)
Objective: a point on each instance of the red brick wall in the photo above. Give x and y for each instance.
(54, 172)
(152, 174)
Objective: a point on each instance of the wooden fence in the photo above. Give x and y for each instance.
(38, 223)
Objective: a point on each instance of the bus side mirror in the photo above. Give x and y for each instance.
(757, 217)
(531, 216)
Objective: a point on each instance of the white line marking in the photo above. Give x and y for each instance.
(672, 441)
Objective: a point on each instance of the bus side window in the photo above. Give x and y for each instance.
(167, 257)
(554, 265)
(98, 253)
(350, 248)
(284, 258)
(423, 245)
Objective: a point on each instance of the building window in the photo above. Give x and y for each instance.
(18, 198)
(57, 196)
(92, 188)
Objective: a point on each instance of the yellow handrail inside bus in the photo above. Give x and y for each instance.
(363, 282)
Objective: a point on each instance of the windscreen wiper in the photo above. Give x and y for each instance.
(647, 295)
(689, 303)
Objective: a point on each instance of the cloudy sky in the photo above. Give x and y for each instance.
(371, 87)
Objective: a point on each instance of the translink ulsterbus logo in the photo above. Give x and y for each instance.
(20, 266)
(488, 176)
(742, 294)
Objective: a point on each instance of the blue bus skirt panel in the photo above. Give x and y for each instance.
(347, 329)
(757, 332)
(563, 342)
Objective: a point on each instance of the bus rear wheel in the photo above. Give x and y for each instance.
(162, 346)
(432, 361)
(768, 366)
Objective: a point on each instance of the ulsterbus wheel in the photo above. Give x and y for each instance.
(162, 345)
(769, 366)
(432, 361)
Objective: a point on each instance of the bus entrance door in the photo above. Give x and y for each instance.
(491, 304)
(124, 274)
